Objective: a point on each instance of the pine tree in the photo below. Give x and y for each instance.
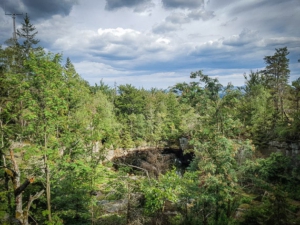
(27, 32)
(277, 74)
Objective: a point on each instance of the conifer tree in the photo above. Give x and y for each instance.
(27, 32)
(277, 75)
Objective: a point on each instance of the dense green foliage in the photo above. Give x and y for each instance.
(57, 129)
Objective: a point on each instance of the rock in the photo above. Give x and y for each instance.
(114, 206)
(241, 210)
(10, 220)
(118, 206)
(137, 199)
(98, 194)
(288, 149)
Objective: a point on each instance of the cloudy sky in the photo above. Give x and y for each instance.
(157, 43)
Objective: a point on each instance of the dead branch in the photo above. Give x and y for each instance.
(32, 198)
(146, 171)
(22, 187)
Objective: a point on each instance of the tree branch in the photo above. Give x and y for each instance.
(32, 198)
(10, 172)
(146, 171)
(22, 187)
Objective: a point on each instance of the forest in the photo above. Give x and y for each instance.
(57, 129)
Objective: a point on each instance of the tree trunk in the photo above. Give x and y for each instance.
(204, 214)
(47, 172)
(31, 199)
(128, 204)
(217, 212)
(16, 184)
(8, 195)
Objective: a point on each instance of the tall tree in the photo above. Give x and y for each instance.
(130, 100)
(277, 75)
(252, 81)
(296, 94)
(214, 168)
(295, 109)
(47, 107)
(27, 32)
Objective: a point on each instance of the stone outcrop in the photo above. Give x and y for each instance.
(291, 149)
(154, 161)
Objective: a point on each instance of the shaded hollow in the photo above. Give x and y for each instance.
(155, 161)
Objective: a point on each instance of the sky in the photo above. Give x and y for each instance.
(158, 43)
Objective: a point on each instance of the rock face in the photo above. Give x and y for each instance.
(116, 206)
(121, 205)
(9, 220)
(152, 160)
(120, 152)
(291, 149)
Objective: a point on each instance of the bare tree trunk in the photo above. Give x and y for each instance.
(18, 189)
(47, 172)
(16, 185)
(31, 199)
(204, 214)
(2, 134)
(128, 204)
(6, 180)
(8, 195)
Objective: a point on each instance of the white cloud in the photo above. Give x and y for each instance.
(245, 37)
(165, 40)
(165, 27)
(98, 71)
(201, 14)
(291, 42)
(118, 31)
(177, 18)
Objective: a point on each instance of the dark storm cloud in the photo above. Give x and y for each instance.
(188, 4)
(136, 4)
(38, 9)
